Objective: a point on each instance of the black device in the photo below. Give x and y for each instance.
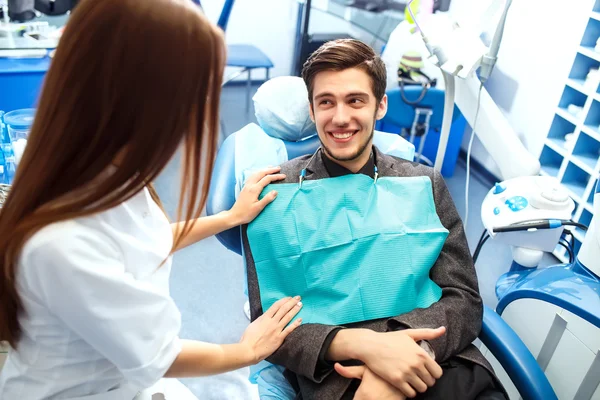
(55, 7)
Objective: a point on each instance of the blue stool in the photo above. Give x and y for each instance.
(245, 56)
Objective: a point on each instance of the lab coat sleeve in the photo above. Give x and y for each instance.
(81, 278)
(460, 309)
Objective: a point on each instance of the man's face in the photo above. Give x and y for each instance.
(344, 110)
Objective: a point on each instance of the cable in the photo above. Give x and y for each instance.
(479, 247)
(479, 244)
(538, 224)
(569, 251)
(482, 236)
(577, 224)
(426, 160)
(413, 16)
(570, 242)
(469, 157)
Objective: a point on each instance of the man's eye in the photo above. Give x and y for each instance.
(355, 101)
(325, 102)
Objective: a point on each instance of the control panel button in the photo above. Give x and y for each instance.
(499, 188)
(517, 203)
(555, 194)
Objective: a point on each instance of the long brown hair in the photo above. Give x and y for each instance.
(130, 78)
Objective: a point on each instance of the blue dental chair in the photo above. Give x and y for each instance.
(499, 338)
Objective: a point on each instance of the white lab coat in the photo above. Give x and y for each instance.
(98, 321)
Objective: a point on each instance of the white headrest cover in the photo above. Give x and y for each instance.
(281, 109)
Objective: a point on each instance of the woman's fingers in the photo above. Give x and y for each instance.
(287, 307)
(267, 179)
(290, 314)
(276, 306)
(290, 328)
(257, 176)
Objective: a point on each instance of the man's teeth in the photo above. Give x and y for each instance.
(342, 135)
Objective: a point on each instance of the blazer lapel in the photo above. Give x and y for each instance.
(385, 163)
(316, 167)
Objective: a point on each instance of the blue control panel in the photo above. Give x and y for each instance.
(517, 203)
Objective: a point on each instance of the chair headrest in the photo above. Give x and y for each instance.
(281, 109)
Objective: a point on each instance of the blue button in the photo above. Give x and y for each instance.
(496, 211)
(499, 188)
(517, 203)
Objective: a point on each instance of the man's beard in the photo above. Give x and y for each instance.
(364, 147)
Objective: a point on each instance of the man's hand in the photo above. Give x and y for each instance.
(398, 359)
(372, 386)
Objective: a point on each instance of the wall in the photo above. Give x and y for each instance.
(538, 48)
(268, 24)
(271, 26)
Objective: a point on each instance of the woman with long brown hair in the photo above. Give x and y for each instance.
(85, 246)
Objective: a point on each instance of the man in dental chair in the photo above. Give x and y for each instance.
(426, 352)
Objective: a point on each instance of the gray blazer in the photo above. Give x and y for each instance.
(460, 309)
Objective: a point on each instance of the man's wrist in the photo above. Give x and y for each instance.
(351, 344)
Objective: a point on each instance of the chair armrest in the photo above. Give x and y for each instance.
(515, 358)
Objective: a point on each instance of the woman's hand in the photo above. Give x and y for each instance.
(247, 206)
(268, 331)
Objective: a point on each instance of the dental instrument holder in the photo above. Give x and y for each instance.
(516, 212)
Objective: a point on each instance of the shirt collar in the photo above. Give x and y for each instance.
(334, 169)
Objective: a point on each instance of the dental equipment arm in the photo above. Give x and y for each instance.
(491, 127)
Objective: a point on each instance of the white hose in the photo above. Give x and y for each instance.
(447, 121)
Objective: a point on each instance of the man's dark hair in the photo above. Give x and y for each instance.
(341, 54)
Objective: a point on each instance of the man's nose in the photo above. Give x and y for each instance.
(341, 116)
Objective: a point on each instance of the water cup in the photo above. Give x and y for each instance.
(18, 124)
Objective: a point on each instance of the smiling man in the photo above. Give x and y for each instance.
(426, 352)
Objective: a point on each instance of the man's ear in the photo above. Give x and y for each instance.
(382, 108)
(311, 112)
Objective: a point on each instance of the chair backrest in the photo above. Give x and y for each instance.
(401, 114)
(222, 188)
